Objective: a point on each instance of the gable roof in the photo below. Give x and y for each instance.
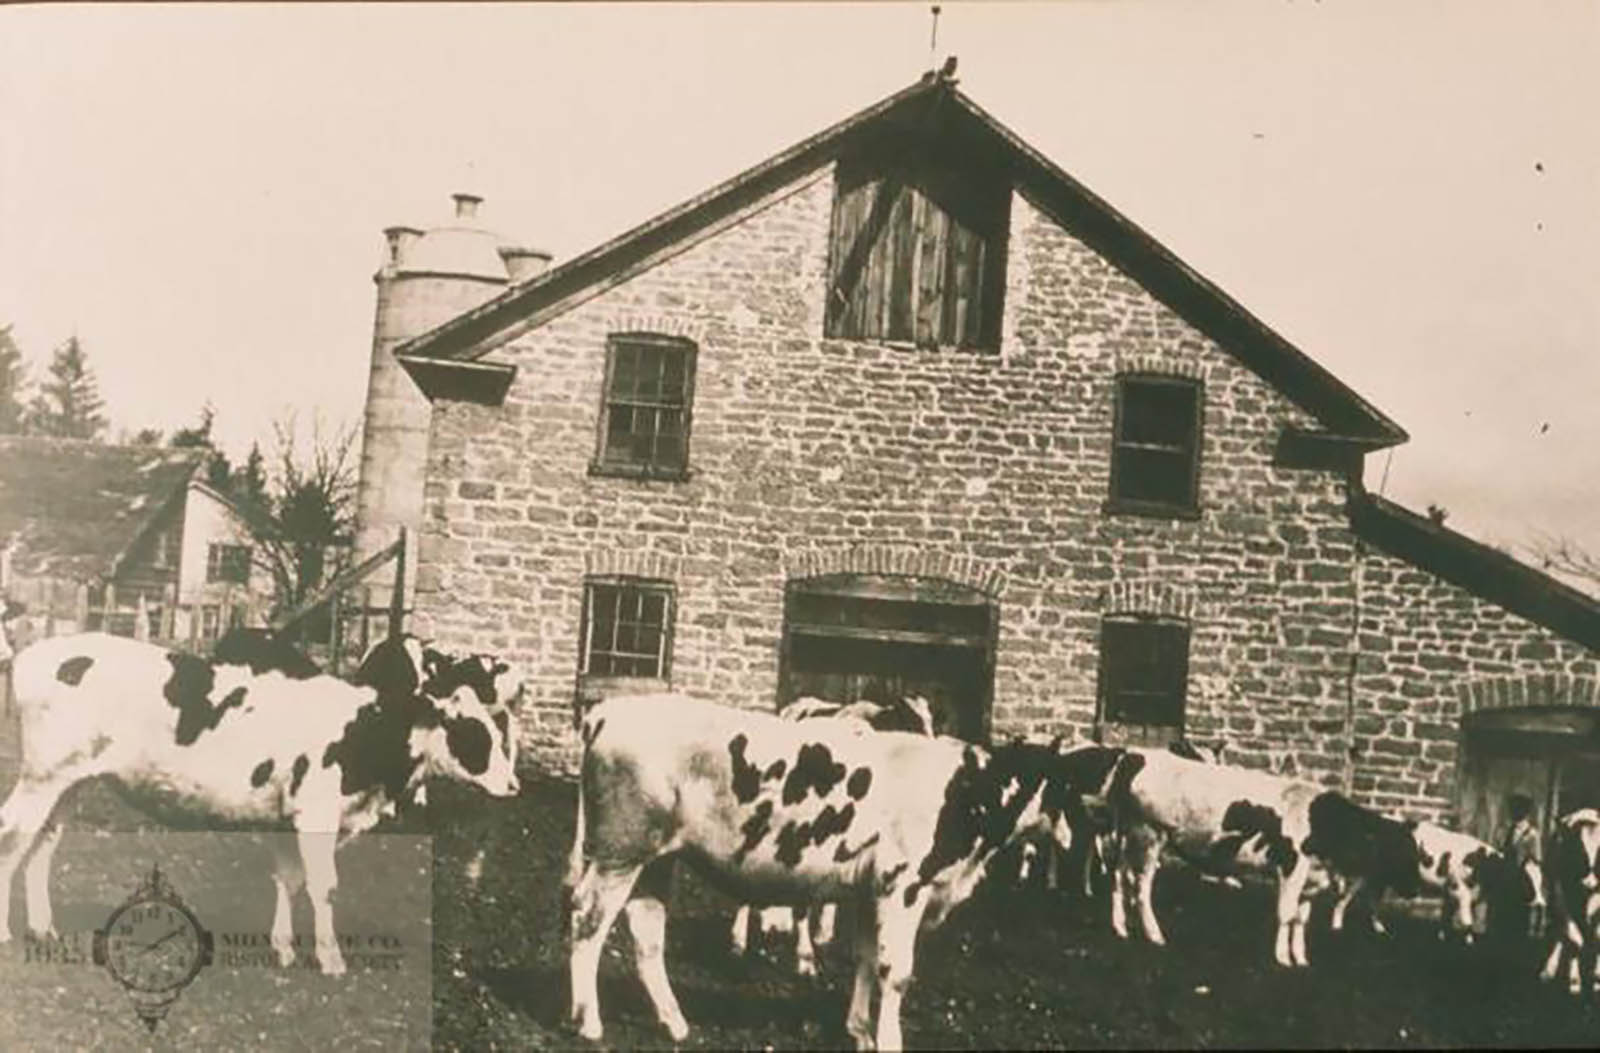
(73, 508)
(930, 107)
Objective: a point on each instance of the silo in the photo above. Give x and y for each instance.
(427, 278)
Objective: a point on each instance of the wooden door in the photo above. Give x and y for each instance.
(1489, 778)
(851, 670)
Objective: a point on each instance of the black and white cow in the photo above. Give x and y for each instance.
(206, 745)
(814, 926)
(1222, 820)
(1477, 884)
(773, 810)
(1573, 866)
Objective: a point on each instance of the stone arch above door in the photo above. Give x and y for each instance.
(1529, 689)
(986, 576)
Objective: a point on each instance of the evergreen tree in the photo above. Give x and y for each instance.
(68, 404)
(13, 377)
(250, 481)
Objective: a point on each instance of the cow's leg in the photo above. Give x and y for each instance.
(322, 877)
(1349, 890)
(647, 921)
(1552, 962)
(1302, 919)
(36, 880)
(1291, 884)
(827, 917)
(1123, 881)
(288, 878)
(23, 818)
(805, 954)
(898, 923)
(858, 1021)
(597, 899)
(1141, 858)
(740, 935)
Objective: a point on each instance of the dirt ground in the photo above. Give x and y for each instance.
(1012, 968)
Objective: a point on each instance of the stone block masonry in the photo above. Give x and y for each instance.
(1310, 654)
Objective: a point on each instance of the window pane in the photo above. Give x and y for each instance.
(673, 375)
(1160, 413)
(652, 607)
(1155, 475)
(627, 638)
(669, 451)
(624, 372)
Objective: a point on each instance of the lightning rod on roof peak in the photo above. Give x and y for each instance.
(933, 37)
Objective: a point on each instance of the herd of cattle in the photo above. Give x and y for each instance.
(790, 813)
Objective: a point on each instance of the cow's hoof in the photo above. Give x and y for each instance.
(47, 933)
(678, 1029)
(285, 955)
(332, 966)
(591, 1032)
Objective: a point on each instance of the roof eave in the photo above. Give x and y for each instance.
(1480, 569)
(459, 380)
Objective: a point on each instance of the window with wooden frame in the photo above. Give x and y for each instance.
(645, 415)
(627, 628)
(1144, 670)
(228, 563)
(917, 253)
(1155, 457)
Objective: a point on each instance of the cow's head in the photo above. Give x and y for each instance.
(462, 691)
(465, 740)
(1458, 866)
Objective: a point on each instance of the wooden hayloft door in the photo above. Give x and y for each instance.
(850, 637)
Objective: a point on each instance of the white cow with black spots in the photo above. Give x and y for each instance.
(813, 927)
(775, 810)
(205, 745)
(1574, 870)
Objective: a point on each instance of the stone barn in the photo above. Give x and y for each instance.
(907, 408)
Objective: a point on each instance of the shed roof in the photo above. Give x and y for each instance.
(74, 507)
(932, 107)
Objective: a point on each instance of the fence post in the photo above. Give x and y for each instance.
(397, 598)
(336, 614)
(80, 606)
(108, 606)
(169, 613)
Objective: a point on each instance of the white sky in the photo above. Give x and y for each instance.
(1408, 191)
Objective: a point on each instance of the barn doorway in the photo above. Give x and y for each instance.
(1549, 753)
(849, 637)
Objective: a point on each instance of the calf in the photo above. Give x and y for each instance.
(205, 745)
(1221, 819)
(814, 925)
(1574, 869)
(1373, 853)
(774, 810)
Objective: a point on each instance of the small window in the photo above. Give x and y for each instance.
(1155, 462)
(1144, 671)
(627, 628)
(209, 621)
(228, 563)
(649, 392)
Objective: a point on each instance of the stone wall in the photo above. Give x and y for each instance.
(990, 469)
(1430, 653)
